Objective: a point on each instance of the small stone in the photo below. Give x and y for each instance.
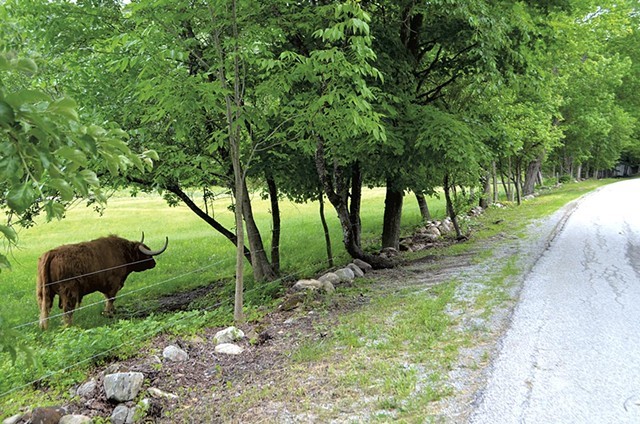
(46, 415)
(123, 386)
(364, 266)
(113, 369)
(228, 335)
(328, 287)
(174, 353)
(357, 272)
(292, 302)
(330, 277)
(75, 419)
(159, 394)
(13, 419)
(86, 389)
(307, 285)
(120, 415)
(229, 349)
(433, 230)
(389, 252)
(345, 275)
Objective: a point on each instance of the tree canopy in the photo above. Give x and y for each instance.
(310, 100)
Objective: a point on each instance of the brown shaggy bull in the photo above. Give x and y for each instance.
(75, 270)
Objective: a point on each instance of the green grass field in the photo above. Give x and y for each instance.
(197, 254)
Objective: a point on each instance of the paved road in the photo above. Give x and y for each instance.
(572, 351)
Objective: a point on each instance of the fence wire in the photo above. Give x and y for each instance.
(141, 338)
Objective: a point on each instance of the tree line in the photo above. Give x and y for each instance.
(310, 100)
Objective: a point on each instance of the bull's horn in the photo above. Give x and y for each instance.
(142, 239)
(154, 252)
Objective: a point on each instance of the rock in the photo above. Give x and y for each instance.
(113, 369)
(46, 415)
(313, 285)
(364, 266)
(292, 302)
(357, 272)
(228, 335)
(87, 389)
(75, 419)
(444, 227)
(345, 275)
(405, 245)
(330, 277)
(307, 285)
(122, 415)
(159, 394)
(432, 230)
(529, 197)
(389, 252)
(13, 419)
(328, 287)
(123, 386)
(174, 353)
(229, 349)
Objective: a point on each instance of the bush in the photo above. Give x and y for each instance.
(564, 179)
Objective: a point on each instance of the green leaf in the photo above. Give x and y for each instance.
(9, 233)
(89, 143)
(54, 210)
(21, 197)
(26, 65)
(7, 117)
(22, 97)
(151, 154)
(65, 107)
(72, 154)
(90, 177)
(11, 169)
(63, 187)
(4, 262)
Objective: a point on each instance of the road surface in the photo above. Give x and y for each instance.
(572, 351)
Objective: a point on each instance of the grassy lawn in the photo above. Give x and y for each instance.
(197, 256)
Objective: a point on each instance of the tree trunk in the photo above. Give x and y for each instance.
(339, 201)
(275, 217)
(175, 189)
(518, 183)
(450, 209)
(262, 269)
(531, 175)
(325, 227)
(392, 217)
(494, 175)
(424, 208)
(579, 172)
(506, 184)
(486, 191)
(356, 201)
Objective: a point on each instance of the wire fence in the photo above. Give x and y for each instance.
(137, 340)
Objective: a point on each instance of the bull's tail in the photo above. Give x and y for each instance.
(43, 290)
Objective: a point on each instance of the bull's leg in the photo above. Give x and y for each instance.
(45, 310)
(68, 304)
(108, 307)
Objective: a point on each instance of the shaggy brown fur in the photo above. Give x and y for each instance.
(75, 270)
